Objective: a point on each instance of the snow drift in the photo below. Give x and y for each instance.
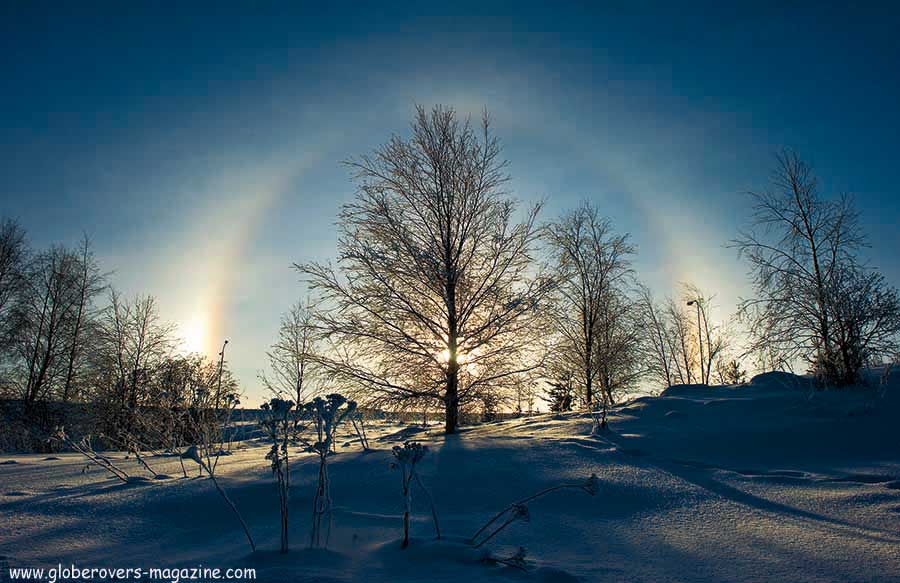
(772, 480)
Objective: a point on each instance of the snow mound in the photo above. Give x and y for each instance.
(741, 483)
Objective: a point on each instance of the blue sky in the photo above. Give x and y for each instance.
(200, 146)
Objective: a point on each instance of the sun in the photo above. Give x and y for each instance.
(466, 360)
(194, 335)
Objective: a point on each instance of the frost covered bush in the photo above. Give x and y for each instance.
(518, 511)
(406, 459)
(277, 423)
(326, 415)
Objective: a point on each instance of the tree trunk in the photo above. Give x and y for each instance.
(589, 390)
(606, 401)
(451, 399)
(587, 319)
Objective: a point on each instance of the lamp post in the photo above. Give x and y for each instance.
(221, 367)
(699, 337)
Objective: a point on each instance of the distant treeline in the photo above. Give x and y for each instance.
(74, 352)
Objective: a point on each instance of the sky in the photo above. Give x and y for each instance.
(200, 145)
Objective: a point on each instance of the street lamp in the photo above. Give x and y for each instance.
(699, 337)
(221, 367)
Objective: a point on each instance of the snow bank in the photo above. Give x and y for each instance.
(764, 481)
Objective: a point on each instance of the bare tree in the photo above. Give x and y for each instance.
(590, 263)
(292, 356)
(710, 341)
(866, 319)
(434, 297)
(89, 283)
(803, 254)
(526, 395)
(660, 356)
(13, 257)
(45, 312)
(683, 345)
(618, 346)
(681, 340)
(133, 343)
(46, 305)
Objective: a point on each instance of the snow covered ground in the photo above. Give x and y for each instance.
(764, 482)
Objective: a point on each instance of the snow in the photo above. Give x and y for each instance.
(766, 481)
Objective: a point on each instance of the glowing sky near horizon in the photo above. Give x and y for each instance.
(200, 148)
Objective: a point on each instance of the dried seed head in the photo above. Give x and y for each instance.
(410, 453)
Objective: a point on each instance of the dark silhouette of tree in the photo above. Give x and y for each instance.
(682, 344)
(710, 342)
(133, 344)
(561, 394)
(47, 306)
(433, 297)
(13, 258)
(660, 357)
(45, 314)
(618, 344)
(590, 264)
(813, 298)
(88, 282)
(292, 357)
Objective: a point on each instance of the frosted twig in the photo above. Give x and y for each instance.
(591, 486)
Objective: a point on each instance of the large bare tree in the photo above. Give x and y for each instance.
(434, 294)
(808, 281)
(47, 309)
(45, 313)
(590, 263)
